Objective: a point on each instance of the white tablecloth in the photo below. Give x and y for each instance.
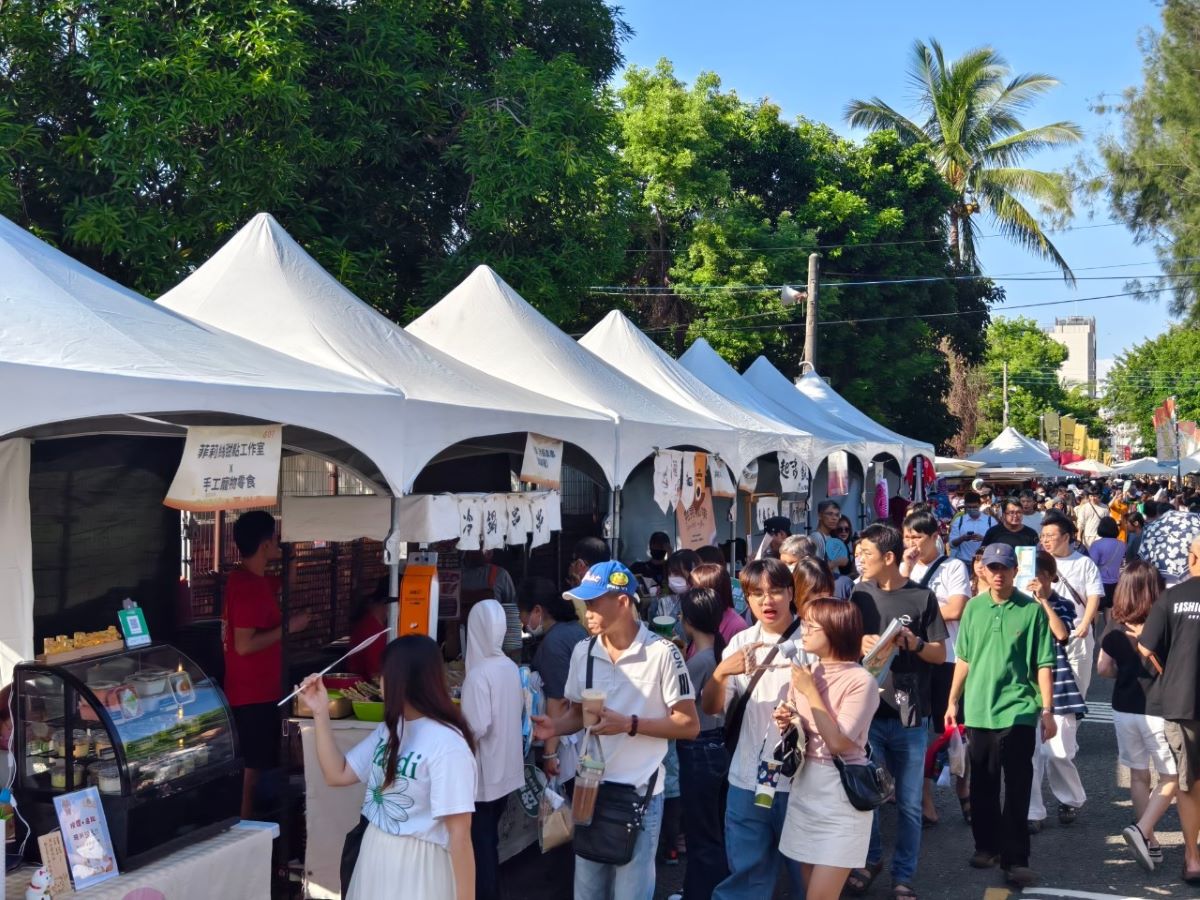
(233, 865)
(330, 812)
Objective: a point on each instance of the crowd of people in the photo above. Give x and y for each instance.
(751, 727)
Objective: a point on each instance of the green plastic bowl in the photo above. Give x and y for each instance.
(368, 712)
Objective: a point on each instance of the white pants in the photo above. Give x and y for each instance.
(1079, 655)
(1058, 757)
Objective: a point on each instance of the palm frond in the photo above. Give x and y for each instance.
(1050, 189)
(1014, 147)
(875, 115)
(1017, 224)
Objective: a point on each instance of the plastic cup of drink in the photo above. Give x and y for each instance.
(593, 705)
(587, 786)
(664, 625)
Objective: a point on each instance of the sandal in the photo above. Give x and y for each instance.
(964, 803)
(859, 881)
(903, 892)
(1190, 877)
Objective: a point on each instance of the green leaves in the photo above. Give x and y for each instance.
(1150, 372)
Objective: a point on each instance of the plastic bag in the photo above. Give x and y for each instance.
(956, 751)
(556, 826)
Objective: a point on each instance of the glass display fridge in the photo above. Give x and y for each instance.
(148, 728)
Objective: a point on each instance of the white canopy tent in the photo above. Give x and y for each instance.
(79, 354)
(848, 416)
(1090, 467)
(758, 433)
(262, 286)
(1011, 453)
(487, 324)
(1147, 465)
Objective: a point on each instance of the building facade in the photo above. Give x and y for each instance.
(1078, 335)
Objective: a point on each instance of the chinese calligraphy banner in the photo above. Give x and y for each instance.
(668, 472)
(235, 467)
(543, 461)
(793, 474)
(697, 524)
(722, 478)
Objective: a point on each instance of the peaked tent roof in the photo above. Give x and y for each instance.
(1011, 451)
(848, 416)
(75, 345)
(642, 359)
(262, 286)
(487, 324)
(1146, 465)
(706, 364)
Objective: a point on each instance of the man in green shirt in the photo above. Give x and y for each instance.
(1006, 665)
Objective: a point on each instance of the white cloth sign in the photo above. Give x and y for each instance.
(793, 474)
(722, 478)
(227, 468)
(668, 471)
(470, 523)
(495, 521)
(543, 461)
(749, 479)
(546, 516)
(696, 525)
(839, 474)
(687, 490)
(519, 519)
(764, 508)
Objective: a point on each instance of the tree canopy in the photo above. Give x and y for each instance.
(1153, 169)
(1150, 372)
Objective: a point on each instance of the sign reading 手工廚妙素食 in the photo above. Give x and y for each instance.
(542, 464)
(227, 467)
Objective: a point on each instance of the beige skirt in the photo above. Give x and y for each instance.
(389, 865)
(821, 827)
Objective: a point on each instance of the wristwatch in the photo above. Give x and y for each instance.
(920, 645)
(633, 722)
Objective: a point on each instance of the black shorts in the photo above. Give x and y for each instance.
(258, 729)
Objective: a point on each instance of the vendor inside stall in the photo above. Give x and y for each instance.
(252, 631)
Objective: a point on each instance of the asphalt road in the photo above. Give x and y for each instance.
(1085, 860)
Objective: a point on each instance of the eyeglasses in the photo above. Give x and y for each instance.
(812, 626)
(776, 594)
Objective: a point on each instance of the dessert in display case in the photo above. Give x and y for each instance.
(147, 727)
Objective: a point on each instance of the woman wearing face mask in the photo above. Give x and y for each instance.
(679, 567)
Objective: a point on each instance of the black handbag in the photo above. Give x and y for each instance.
(737, 712)
(616, 823)
(350, 848)
(868, 785)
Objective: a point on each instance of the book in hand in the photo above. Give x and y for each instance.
(879, 661)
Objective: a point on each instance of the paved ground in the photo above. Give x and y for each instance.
(1085, 860)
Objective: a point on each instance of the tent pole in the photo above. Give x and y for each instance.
(391, 557)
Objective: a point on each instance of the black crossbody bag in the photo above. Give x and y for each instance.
(620, 813)
(737, 712)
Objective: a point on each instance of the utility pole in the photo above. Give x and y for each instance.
(1005, 393)
(810, 316)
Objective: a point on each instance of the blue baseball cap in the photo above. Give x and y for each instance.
(604, 578)
(999, 554)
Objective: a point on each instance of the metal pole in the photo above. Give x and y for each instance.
(810, 316)
(1005, 364)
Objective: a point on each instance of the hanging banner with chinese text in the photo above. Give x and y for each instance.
(1051, 425)
(839, 474)
(793, 474)
(764, 508)
(1081, 437)
(697, 525)
(749, 480)
(470, 523)
(722, 478)
(543, 461)
(234, 467)
(668, 470)
(1066, 440)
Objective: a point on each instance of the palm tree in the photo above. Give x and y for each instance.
(970, 109)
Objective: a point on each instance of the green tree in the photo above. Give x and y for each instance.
(1147, 374)
(1033, 359)
(1153, 169)
(969, 119)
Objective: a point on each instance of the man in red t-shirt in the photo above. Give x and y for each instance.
(251, 633)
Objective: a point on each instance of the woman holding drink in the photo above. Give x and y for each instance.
(833, 702)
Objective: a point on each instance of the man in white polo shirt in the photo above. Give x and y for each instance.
(648, 700)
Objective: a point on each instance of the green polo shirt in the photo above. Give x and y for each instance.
(1005, 645)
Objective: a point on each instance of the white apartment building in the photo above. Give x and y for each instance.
(1078, 335)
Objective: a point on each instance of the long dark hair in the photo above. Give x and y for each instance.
(702, 608)
(415, 676)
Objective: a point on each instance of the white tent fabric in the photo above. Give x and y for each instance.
(948, 465)
(262, 286)
(487, 324)
(1090, 467)
(848, 416)
(76, 345)
(1147, 465)
(16, 558)
(1012, 452)
(615, 337)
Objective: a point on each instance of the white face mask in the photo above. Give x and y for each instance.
(536, 631)
(677, 584)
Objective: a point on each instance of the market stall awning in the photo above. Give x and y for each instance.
(1011, 453)
(262, 286)
(948, 465)
(1090, 467)
(1147, 465)
(616, 337)
(488, 325)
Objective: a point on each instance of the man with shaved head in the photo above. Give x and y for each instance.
(1172, 635)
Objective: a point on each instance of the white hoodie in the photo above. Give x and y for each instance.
(492, 701)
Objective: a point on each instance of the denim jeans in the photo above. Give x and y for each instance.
(703, 768)
(901, 751)
(485, 839)
(752, 849)
(632, 881)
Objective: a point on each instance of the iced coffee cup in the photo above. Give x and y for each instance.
(593, 705)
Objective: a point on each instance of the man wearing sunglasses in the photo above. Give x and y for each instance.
(1005, 672)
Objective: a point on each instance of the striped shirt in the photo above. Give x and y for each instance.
(1067, 699)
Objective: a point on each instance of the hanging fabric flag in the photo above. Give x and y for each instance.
(722, 478)
(542, 464)
(700, 469)
(793, 474)
(764, 508)
(839, 474)
(495, 521)
(518, 519)
(687, 487)
(668, 470)
(696, 526)
(470, 514)
(749, 479)
(545, 516)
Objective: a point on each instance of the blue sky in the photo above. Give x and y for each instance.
(811, 59)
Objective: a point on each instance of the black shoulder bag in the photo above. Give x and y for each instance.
(620, 811)
(927, 578)
(737, 712)
(350, 848)
(868, 785)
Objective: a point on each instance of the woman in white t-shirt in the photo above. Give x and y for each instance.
(419, 769)
(1079, 583)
